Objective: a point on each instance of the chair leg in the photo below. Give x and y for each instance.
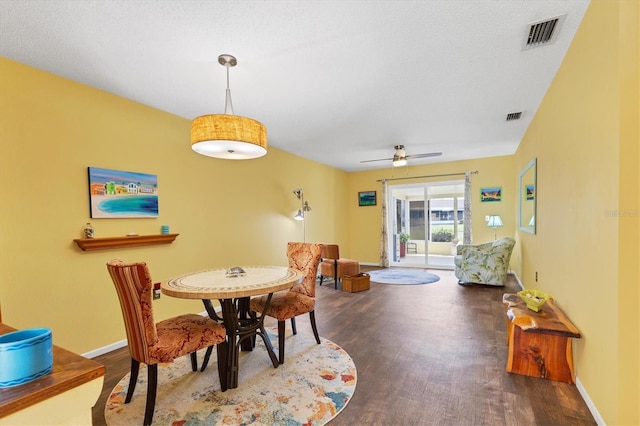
(281, 325)
(293, 325)
(207, 355)
(151, 393)
(194, 361)
(321, 278)
(133, 378)
(312, 316)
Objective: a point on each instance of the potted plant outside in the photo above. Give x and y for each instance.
(404, 238)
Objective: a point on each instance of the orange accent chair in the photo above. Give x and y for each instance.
(152, 343)
(300, 299)
(335, 267)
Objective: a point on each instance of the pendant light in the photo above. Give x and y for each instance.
(228, 136)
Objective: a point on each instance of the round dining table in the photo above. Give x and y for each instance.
(233, 288)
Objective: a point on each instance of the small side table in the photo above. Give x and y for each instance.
(539, 342)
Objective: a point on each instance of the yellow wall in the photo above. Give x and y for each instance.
(226, 212)
(585, 137)
(366, 221)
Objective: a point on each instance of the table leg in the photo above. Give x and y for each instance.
(256, 327)
(241, 328)
(230, 318)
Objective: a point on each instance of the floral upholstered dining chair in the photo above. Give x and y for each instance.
(300, 299)
(152, 343)
(486, 263)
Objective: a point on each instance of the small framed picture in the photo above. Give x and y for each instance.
(491, 194)
(367, 198)
(530, 191)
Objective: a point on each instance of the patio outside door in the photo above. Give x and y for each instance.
(431, 214)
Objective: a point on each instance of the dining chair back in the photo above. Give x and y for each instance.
(152, 343)
(298, 300)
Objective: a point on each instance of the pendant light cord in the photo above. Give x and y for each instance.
(228, 108)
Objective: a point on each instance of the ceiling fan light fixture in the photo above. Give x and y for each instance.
(228, 136)
(400, 157)
(399, 162)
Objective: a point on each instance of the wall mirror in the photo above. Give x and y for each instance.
(528, 197)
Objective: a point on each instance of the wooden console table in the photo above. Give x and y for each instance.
(63, 397)
(539, 342)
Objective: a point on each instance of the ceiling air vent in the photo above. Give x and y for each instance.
(514, 116)
(543, 32)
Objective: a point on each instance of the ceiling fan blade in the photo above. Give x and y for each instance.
(428, 154)
(379, 159)
(406, 157)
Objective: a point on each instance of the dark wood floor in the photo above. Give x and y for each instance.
(430, 354)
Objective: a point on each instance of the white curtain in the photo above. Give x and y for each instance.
(467, 208)
(384, 254)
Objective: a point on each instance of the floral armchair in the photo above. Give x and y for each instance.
(486, 263)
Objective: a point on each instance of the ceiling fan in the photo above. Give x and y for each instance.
(400, 157)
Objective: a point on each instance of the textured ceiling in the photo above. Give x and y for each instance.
(333, 81)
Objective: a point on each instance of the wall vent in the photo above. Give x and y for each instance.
(542, 33)
(514, 116)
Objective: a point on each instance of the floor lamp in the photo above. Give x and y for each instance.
(304, 207)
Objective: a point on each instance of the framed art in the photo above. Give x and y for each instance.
(120, 194)
(367, 198)
(530, 192)
(492, 194)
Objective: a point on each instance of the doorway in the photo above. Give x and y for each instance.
(426, 221)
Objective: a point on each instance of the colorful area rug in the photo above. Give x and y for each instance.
(402, 276)
(312, 386)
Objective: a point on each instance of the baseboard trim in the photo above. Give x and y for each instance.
(517, 279)
(105, 349)
(592, 407)
(122, 343)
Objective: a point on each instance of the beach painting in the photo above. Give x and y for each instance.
(367, 198)
(120, 194)
(490, 194)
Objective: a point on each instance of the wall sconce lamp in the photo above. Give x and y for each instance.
(494, 222)
(304, 207)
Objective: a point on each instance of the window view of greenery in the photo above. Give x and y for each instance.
(445, 221)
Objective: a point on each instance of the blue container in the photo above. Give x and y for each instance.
(25, 355)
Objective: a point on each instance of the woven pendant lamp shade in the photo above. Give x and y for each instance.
(231, 137)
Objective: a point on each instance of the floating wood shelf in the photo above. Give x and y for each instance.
(89, 244)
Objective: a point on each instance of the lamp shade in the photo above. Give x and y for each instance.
(495, 221)
(228, 136)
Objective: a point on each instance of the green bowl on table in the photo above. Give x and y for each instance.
(534, 299)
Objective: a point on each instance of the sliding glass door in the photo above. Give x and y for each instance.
(425, 223)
